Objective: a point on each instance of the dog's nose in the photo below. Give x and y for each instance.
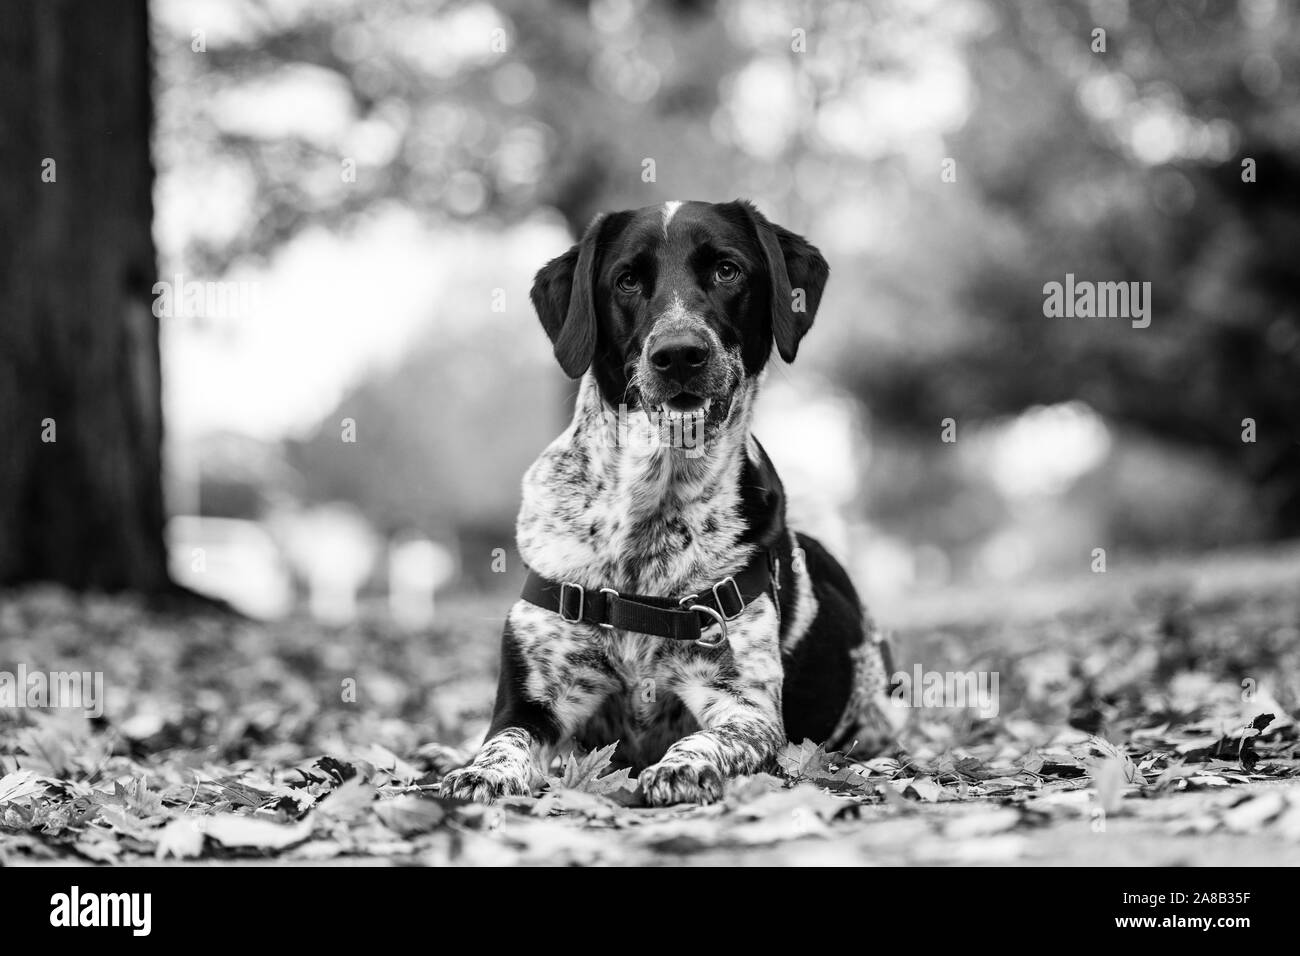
(679, 355)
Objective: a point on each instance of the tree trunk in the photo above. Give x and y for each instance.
(80, 393)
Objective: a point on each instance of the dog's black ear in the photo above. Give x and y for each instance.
(798, 274)
(563, 297)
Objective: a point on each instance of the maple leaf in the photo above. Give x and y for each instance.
(829, 769)
(799, 760)
(584, 775)
(842, 778)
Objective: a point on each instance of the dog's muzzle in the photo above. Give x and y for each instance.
(679, 357)
(685, 376)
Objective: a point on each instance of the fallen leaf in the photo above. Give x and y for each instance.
(798, 759)
(1109, 781)
(562, 800)
(409, 815)
(239, 830)
(181, 838)
(798, 801)
(348, 800)
(20, 784)
(925, 789)
(584, 775)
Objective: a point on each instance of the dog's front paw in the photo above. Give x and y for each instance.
(680, 782)
(483, 784)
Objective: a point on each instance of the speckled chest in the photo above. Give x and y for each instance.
(650, 525)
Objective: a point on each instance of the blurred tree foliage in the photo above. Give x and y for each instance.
(440, 461)
(1126, 166)
(1122, 165)
(459, 110)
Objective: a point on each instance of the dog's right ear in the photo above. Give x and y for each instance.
(563, 295)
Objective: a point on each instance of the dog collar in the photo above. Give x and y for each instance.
(681, 619)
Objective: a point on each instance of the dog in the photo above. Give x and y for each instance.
(668, 606)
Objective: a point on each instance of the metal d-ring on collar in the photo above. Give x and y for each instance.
(721, 621)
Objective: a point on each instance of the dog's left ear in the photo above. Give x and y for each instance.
(562, 294)
(798, 274)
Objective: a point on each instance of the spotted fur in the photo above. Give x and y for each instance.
(616, 502)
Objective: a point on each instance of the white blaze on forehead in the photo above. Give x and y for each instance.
(670, 210)
(675, 314)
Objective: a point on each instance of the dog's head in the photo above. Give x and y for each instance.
(674, 307)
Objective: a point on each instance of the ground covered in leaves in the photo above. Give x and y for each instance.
(1145, 716)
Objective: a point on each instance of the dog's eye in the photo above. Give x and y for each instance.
(628, 283)
(726, 271)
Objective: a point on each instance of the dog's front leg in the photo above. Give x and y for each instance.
(694, 768)
(735, 697)
(549, 683)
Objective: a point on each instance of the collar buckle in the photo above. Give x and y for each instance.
(564, 602)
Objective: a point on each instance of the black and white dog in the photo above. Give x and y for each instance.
(668, 607)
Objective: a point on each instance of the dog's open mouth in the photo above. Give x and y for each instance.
(685, 406)
(688, 413)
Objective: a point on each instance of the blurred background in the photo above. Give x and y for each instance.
(350, 200)
(387, 176)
